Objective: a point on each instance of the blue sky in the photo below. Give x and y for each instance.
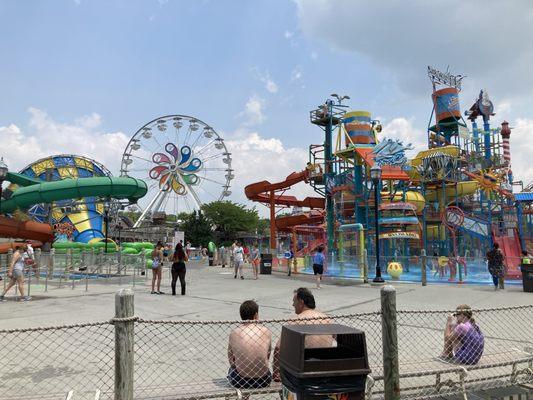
(89, 73)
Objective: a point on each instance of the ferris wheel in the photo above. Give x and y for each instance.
(184, 162)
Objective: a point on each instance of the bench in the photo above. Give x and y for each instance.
(459, 377)
(214, 389)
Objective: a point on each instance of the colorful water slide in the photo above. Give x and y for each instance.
(260, 192)
(452, 190)
(511, 249)
(35, 191)
(286, 222)
(47, 192)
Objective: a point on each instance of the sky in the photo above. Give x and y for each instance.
(80, 76)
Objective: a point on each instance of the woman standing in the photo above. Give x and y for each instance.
(16, 272)
(179, 269)
(256, 259)
(157, 269)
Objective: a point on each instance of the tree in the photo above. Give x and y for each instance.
(263, 227)
(197, 228)
(228, 218)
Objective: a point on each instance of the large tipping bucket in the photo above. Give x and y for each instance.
(358, 125)
(446, 102)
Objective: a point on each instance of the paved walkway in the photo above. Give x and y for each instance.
(212, 293)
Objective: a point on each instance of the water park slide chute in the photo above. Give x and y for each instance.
(265, 192)
(13, 228)
(287, 222)
(261, 192)
(452, 190)
(47, 192)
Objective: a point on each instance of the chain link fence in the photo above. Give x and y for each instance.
(46, 363)
(82, 269)
(191, 359)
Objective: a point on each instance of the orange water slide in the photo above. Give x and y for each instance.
(265, 192)
(286, 222)
(13, 228)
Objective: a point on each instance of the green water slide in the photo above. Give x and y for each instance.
(35, 191)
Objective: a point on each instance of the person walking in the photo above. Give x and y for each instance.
(157, 269)
(318, 265)
(238, 260)
(256, 260)
(178, 268)
(16, 272)
(496, 268)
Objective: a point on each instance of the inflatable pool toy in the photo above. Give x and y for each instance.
(395, 270)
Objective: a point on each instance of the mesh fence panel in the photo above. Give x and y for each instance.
(49, 362)
(422, 347)
(190, 359)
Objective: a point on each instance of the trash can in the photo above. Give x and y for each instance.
(527, 277)
(314, 373)
(266, 264)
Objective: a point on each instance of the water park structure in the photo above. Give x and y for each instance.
(176, 161)
(451, 201)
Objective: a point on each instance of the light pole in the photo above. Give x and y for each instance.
(375, 175)
(3, 175)
(106, 221)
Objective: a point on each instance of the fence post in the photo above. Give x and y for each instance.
(49, 268)
(38, 259)
(365, 265)
(143, 265)
(124, 334)
(391, 374)
(424, 271)
(6, 265)
(9, 259)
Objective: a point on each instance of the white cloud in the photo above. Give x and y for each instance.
(288, 34)
(484, 39)
(46, 137)
(403, 129)
(253, 111)
(256, 158)
(296, 74)
(264, 77)
(521, 150)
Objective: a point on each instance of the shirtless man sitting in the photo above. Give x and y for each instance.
(304, 307)
(249, 351)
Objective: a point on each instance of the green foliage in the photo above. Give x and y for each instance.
(228, 218)
(197, 228)
(263, 227)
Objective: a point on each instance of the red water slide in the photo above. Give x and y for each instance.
(269, 193)
(12, 228)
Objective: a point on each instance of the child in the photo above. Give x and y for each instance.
(318, 265)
